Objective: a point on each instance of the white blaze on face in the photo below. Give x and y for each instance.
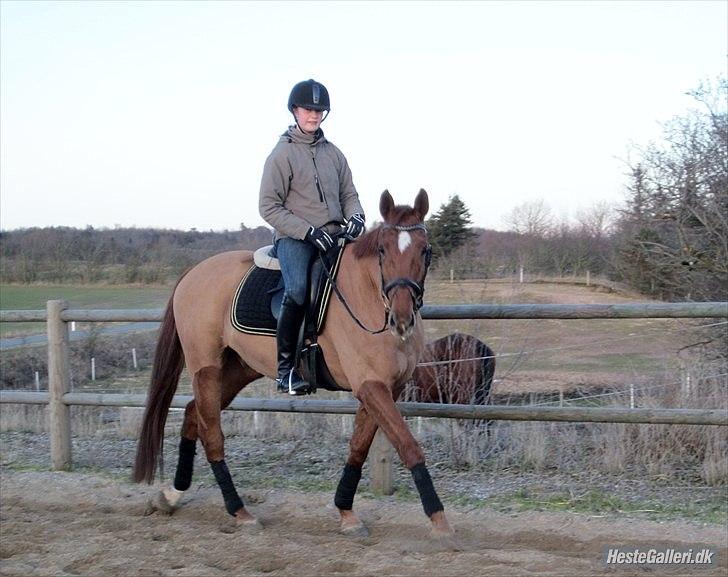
(404, 241)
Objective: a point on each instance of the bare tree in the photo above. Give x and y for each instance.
(675, 227)
(531, 218)
(597, 220)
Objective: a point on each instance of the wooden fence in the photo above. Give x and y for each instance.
(59, 398)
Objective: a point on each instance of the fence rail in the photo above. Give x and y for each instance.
(408, 409)
(59, 398)
(434, 312)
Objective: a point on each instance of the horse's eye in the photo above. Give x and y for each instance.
(381, 251)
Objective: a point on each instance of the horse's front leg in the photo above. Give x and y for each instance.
(377, 400)
(364, 430)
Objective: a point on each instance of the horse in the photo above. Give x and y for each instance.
(466, 379)
(380, 281)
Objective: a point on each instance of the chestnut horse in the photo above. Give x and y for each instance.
(381, 277)
(456, 369)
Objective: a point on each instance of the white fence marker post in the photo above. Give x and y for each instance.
(93, 369)
(37, 381)
(134, 358)
(588, 279)
(452, 276)
(73, 325)
(520, 275)
(631, 396)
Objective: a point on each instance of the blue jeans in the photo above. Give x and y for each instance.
(295, 257)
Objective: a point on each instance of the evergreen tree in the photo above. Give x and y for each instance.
(449, 227)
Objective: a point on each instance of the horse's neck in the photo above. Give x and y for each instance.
(361, 278)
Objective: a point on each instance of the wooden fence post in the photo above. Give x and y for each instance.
(380, 457)
(59, 380)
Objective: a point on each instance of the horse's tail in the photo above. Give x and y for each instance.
(168, 364)
(481, 394)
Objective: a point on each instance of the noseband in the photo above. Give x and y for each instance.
(416, 290)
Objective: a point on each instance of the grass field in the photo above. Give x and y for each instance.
(24, 297)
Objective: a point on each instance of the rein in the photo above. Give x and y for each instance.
(416, 290)
(343, 300)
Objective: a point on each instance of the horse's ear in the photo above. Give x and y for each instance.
(422, 203)
(386, 204)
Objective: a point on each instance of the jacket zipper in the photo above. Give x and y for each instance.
(316, 178)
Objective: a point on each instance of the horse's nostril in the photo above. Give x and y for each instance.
(392, 322)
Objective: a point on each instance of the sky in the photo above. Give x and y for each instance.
(162, 113)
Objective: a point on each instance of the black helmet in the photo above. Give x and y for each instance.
(309, 94)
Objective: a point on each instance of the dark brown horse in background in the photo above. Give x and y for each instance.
(456, 369)
(381, 276)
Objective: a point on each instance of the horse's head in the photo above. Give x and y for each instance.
(404, 256)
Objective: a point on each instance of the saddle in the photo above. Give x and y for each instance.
(257, 303)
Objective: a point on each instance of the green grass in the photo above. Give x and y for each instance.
(24, 297)
(596, 502)
(80, 296)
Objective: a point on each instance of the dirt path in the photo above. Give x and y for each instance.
(82, 524)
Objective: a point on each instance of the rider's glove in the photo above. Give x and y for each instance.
(319, 238)
(355, 226)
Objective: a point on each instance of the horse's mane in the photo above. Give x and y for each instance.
(368, 243)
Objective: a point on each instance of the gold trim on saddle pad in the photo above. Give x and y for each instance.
(233, 320)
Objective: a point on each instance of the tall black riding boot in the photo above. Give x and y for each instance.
(289, 325)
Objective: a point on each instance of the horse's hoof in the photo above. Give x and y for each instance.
(246, 522)
(159, 503)
(358, 530)
(445, 540)
(249, 525)
(241, 525)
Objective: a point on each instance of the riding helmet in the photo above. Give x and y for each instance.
(309, 94)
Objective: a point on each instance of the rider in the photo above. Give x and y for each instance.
(306, 195)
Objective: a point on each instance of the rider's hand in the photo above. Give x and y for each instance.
(355, 226)
(319, 238)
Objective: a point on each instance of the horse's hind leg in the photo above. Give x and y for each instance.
(234, 377)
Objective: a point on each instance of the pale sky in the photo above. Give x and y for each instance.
(161, 114)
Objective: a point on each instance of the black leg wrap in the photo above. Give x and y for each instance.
(233, 502)
(344, 498)
(430, 501)
(183, 476)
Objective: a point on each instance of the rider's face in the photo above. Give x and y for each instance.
(308, 120)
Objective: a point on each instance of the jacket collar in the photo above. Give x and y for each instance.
(297, 136)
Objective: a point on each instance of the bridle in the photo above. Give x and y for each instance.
(417, 290)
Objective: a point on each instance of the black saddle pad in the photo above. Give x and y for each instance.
(251, 311)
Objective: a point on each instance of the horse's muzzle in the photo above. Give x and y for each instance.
(401, 326)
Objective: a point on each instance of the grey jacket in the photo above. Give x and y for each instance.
(306, 182)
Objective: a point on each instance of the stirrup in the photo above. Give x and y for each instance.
(293, 384)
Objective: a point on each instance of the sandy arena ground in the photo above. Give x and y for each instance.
(81, 524)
